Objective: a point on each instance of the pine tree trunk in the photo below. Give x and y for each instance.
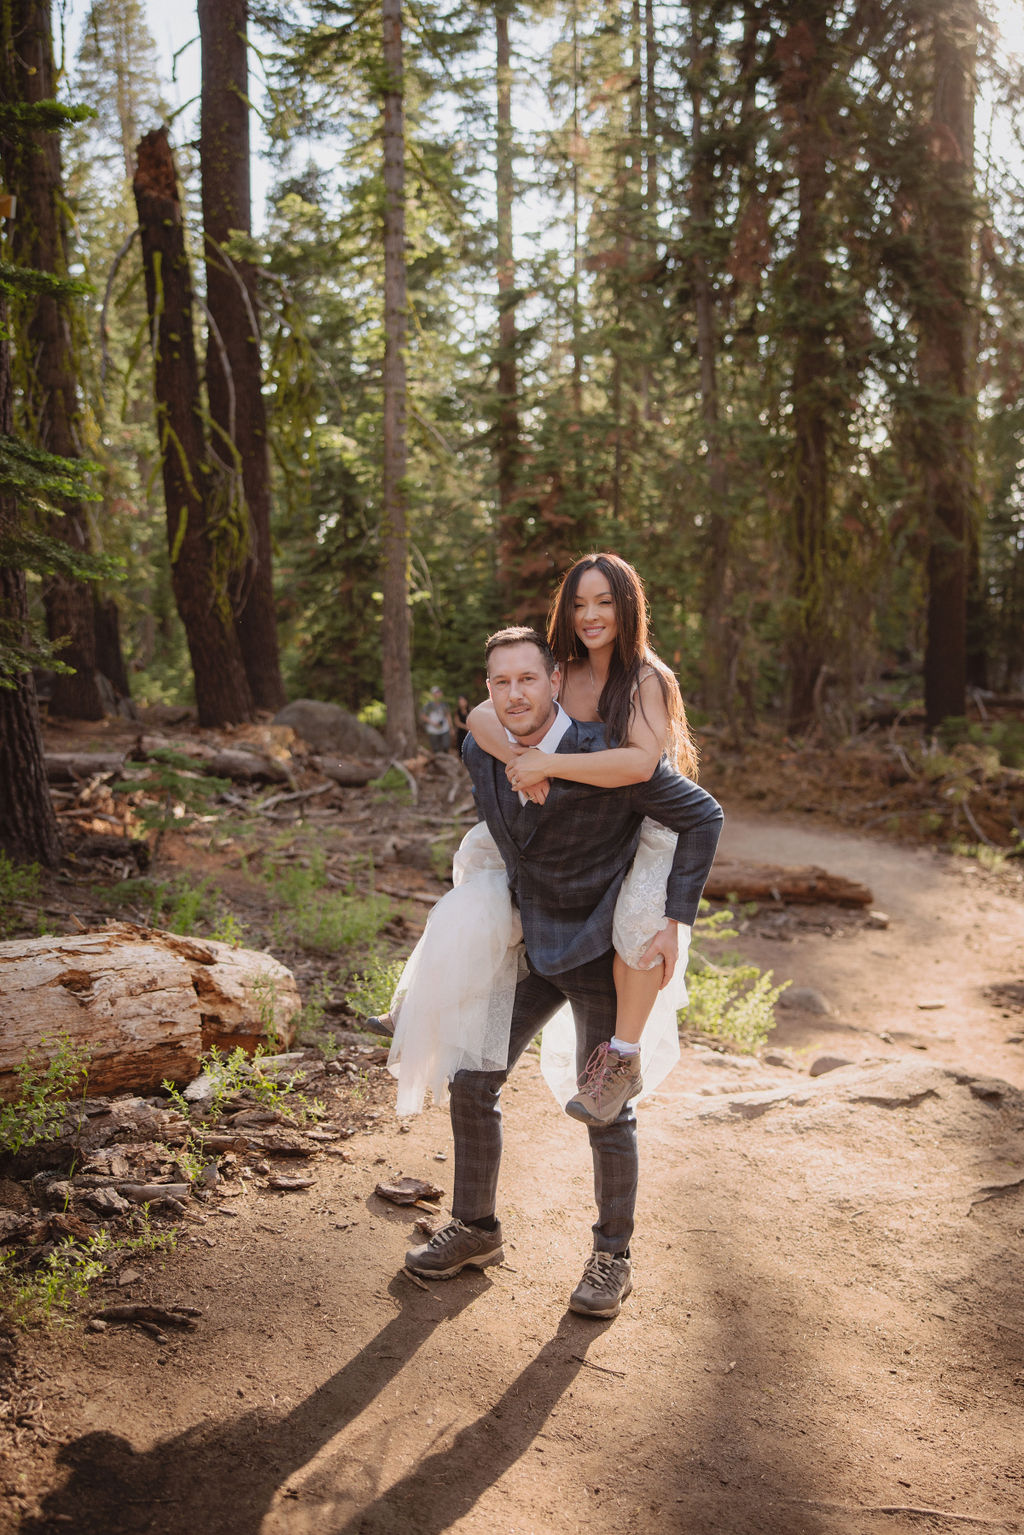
(944, 368)
(197, 530)
(233, 364)
(804, 99)
(395, 624)
(507, 434)
(28, 826)
(719, 632)
(47, 363)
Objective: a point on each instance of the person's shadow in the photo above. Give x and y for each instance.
(221, 1478)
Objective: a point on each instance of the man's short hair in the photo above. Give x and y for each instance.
(521, 634)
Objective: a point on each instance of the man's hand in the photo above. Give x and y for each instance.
(527, 767)
(663, 946)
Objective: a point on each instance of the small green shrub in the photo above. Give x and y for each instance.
(370, 991)
(43, 1090)
(237, 1072)
(392, 786)
(180, 905)
(19, 885)
(173, 787)
(64, 1276)
(736, 1004)
(728, 999)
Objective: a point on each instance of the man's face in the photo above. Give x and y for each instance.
(522, 692)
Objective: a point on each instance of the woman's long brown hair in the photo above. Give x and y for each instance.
(631, 656)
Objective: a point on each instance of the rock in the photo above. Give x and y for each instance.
(105, 1201)
(988, 1089)
(805, 999)
(877, 919)
(201, 1090)
(59, 1194)
(330, 728)
(932, 1006)
(779, 1058)
(828, 1063)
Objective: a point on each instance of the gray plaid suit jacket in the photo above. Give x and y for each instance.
(567, 858)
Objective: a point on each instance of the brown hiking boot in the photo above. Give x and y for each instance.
(607, 1280)
(608, 1082)
(455, 1247)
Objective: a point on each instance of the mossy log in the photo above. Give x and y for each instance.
(144, 1003)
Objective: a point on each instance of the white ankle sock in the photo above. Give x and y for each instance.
(623, 1046)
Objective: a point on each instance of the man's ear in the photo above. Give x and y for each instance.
(556, 681)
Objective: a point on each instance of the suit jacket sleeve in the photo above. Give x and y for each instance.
(684, 807)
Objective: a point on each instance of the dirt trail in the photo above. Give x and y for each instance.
(826, 1336)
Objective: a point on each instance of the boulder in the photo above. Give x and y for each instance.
(330, 728)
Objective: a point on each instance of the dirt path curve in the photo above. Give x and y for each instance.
(826, 1337)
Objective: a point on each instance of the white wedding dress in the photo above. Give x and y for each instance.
(453, 1003)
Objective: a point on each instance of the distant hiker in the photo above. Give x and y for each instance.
(437, 722)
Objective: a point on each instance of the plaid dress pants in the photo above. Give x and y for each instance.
(476, 1105)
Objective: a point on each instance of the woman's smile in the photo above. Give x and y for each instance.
(594, 616)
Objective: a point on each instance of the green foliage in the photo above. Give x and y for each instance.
(38, 1112)
(180, 904)
(312, 1015)
(1002, 738)
(235, 1073)
(392, 785)
(39, 1295)
(19, 886)
(728, 1000)
(178, 788)
(42, 1293)
(317, 917)
(370, 991)
(735, 1004)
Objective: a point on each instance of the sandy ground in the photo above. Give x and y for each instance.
(827, 1330)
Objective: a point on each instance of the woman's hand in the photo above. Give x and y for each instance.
(527, 768)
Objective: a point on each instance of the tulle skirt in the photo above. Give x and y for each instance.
(453, 1003)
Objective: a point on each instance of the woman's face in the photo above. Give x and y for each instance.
(594, 618)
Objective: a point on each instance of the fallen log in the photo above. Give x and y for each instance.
(806, 885)
(79, 767)
(145, 1004)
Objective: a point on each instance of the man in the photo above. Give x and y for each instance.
(565, 862)
(437, 722)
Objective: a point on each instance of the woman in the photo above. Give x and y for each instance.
(445, 1001)
(461, 722)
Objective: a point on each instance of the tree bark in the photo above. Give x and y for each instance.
(947, 453)
(48, 367)
(233, 364)
(198, 526)
(804, 95)
(28, 826)
(507, 434)
(145, 1004)
(720, 634)
(395, 621)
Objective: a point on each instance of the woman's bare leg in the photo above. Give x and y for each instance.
(635, 994)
